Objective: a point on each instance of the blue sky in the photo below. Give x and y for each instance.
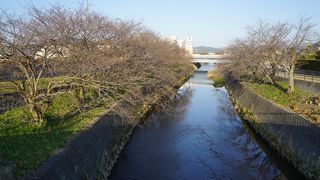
(210, 22)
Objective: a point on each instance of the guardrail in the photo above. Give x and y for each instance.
(305, 75)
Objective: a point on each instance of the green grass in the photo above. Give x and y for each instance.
(27, 145)
(218, 79)
(277, 93)
(219, 82)
(9, 87)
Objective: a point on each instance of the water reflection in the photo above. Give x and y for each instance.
(202, 137)
(254, 156)
(175, 109)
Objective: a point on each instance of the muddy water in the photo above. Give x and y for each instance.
(200, 136)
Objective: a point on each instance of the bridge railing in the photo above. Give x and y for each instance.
(209, 56)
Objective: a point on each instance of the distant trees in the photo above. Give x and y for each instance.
(89, 52)
(269, 47)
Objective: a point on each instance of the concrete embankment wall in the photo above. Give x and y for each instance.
(293, 136)
(312, 87)
(92, 153)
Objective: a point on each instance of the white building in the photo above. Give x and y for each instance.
(187, 45)
(181, 43)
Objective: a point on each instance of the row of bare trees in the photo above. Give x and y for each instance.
(90, 52)
(269, 47)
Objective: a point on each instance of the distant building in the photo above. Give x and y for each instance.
(181, 43)
(187, 45)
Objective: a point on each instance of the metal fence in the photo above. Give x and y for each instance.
(305, 75)
(292, 131)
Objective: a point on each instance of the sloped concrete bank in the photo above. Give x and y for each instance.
(294, 137)
(92, 153)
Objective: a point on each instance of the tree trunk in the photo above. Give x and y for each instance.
(271, 79)
(35, 111)
(36, 114)
(80, 94)
(291, 79)
(273, 76)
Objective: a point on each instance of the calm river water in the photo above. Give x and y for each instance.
(199, 137)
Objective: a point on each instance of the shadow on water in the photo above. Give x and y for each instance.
(177, 107)
(199, 137)
(287, 169)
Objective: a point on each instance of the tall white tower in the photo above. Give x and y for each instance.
(188, 45)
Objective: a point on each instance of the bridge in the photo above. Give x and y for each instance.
(210, 61)
(209, 56)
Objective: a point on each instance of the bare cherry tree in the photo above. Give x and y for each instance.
(27, 49)
(112, 59)
(270, 46)
(299, 35)
(269, 37)
(245, 56)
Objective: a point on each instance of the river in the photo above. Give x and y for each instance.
(200, 136)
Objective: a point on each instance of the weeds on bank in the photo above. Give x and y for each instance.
(27, 145)
(278, 93)
(298, 101)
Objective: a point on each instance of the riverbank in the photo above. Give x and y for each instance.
(200, 137)
(92, 153)
(294, 137)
